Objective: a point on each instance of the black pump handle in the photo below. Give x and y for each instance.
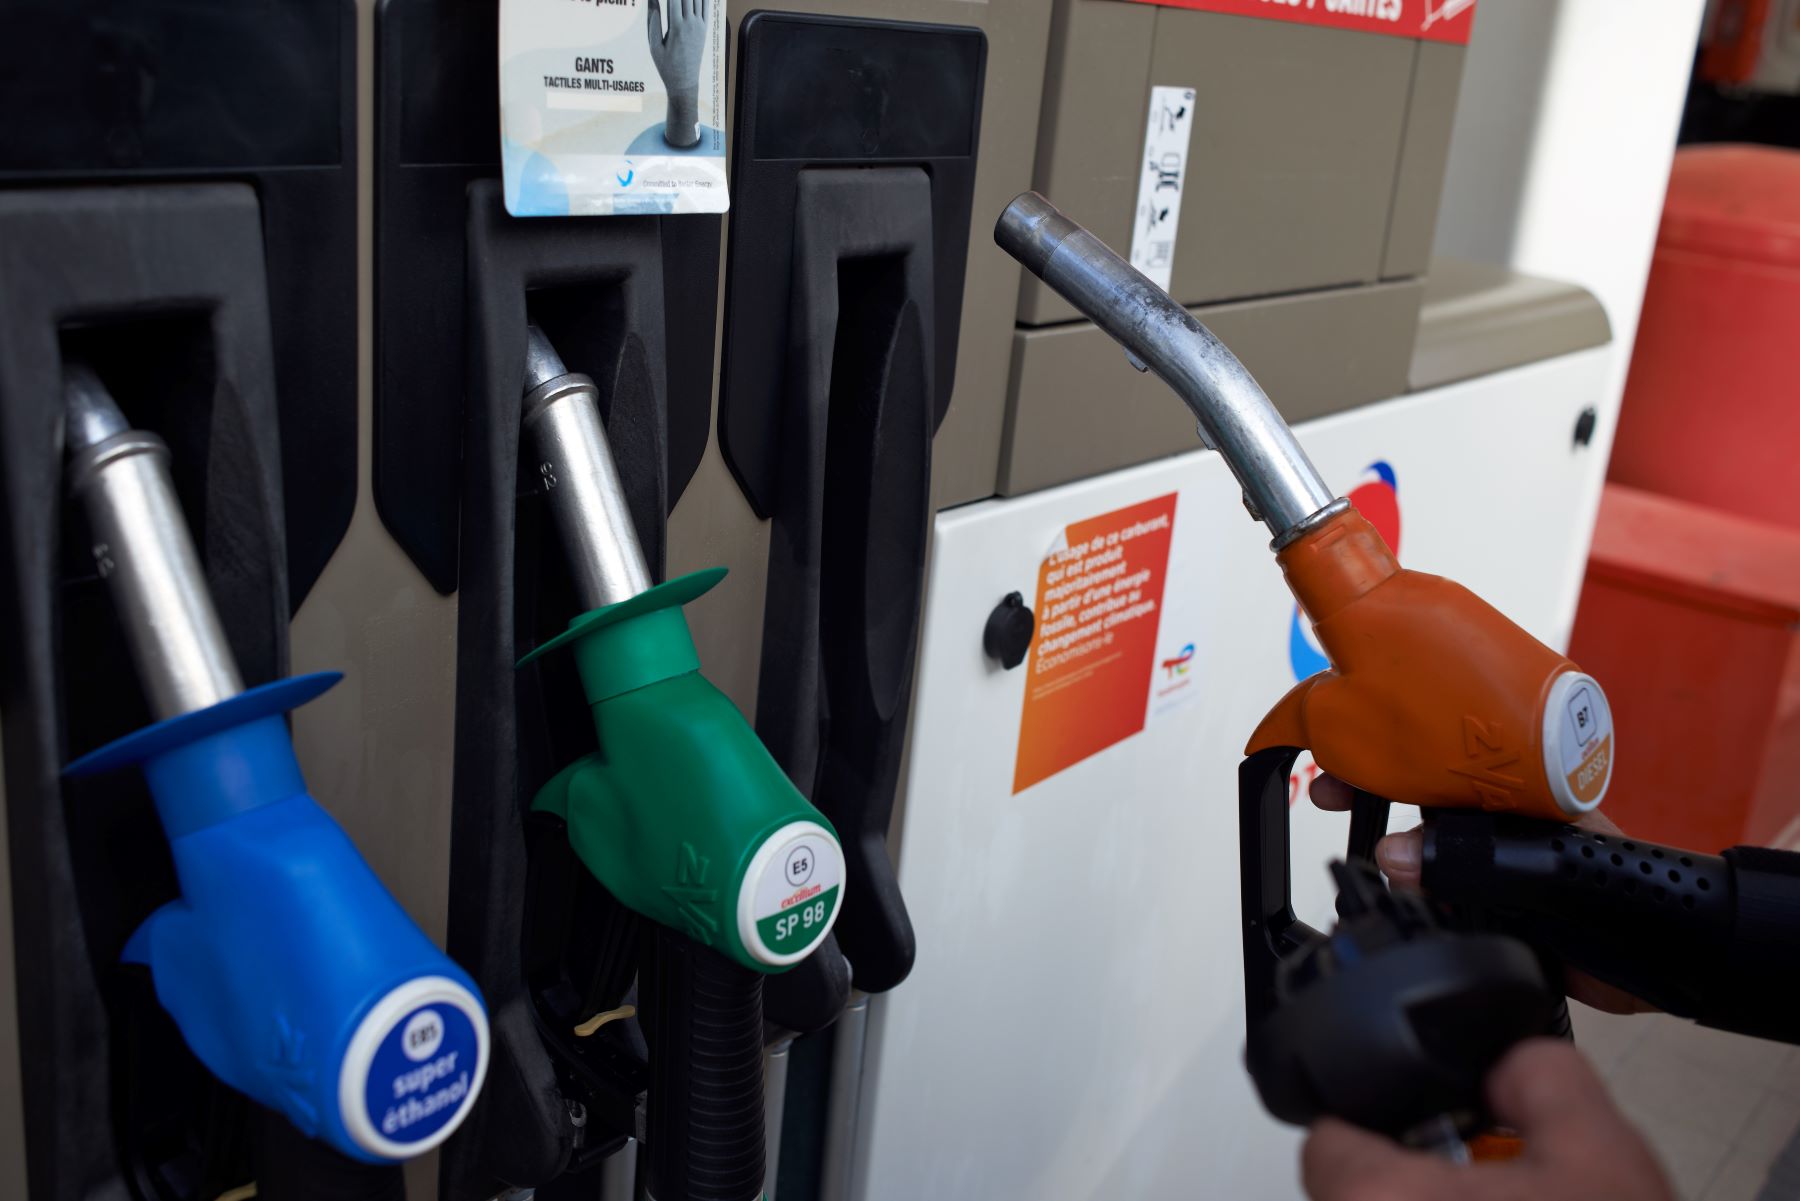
(848, 551)
(1715, 938)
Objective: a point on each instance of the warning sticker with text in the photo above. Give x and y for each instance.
(1163, 171)
(1099, 608)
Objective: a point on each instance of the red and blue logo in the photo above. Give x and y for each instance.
(1178, 666)
(1377, 497)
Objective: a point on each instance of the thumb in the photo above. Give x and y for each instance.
(1547, 1091)
(1341, 1162)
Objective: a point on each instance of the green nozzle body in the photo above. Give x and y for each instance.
(681, 813)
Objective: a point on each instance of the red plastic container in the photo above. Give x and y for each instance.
(1712, 407)
(1690, 618)
(1692, 599)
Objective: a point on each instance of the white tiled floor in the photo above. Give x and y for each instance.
(1717, 1108)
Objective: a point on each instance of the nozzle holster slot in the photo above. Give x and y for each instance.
(161, 290)
(843, 303)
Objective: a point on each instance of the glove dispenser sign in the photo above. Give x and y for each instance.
(612, 106)
(1090, 681)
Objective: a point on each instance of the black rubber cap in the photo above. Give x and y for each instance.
(1009, 630)
(1584, 426)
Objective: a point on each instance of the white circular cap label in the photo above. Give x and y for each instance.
(791, 894)
(1578, 742)
(413, 1068)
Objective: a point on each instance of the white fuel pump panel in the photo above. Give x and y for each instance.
(1073, 1029)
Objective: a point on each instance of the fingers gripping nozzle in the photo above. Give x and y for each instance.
(291, 972)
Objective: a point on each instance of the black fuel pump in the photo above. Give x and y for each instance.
(852, 173)
(178, 219)
(534, 432)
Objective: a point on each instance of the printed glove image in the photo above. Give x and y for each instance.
(677, 57)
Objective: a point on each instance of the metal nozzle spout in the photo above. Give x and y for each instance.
(562, 420)
(1236, 417)
(1030, 229)
(542, 363)
(142, 548)
(89, 412)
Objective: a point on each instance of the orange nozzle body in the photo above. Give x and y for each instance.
(1433, 698)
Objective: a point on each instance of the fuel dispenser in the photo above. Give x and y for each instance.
(379, 1041)
(177, 227)
(843, 303)
(1434, 699)
(627, 861)
(681, 815)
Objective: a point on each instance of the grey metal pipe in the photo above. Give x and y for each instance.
(775, 1077)
(843, 1103)
(562, 420)
(142, 549)
(1281, 486)
(618, 1174)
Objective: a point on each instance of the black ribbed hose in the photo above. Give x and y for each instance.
(702, 1016)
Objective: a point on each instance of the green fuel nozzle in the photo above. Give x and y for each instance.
(681, 813)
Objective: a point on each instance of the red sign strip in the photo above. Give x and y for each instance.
(1433, 20)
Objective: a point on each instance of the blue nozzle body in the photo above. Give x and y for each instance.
(289, 968)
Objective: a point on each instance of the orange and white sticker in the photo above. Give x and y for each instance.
(1099, 606)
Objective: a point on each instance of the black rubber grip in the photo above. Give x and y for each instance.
(1715, 938)
(292, 1167)
(702, 1016)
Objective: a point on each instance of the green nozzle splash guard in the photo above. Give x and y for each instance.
(636, 642)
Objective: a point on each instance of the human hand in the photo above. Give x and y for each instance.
(1578, 1146)
(677, 57)
(1401, 859)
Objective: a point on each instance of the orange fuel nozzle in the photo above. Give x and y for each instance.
(1433, 698)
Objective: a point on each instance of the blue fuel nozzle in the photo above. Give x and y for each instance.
(290, 970)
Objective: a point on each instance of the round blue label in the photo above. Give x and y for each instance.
(422, 1074)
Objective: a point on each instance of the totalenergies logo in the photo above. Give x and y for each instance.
(1178, 666)
(1377, 497)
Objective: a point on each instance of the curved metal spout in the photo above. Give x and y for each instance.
(141, 547)
(562, 419)
(1281, 486)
